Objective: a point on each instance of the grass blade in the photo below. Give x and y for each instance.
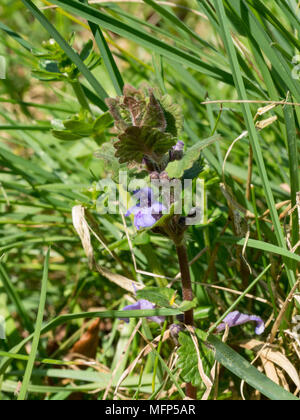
(294, 166)
(14, 297)
(16, 37)
(257, 151)
(68, 50)
(62, 319)
(263, 246)
(108, 58)
(176, 22)
(241, 368)
(37, 332)
(143, 38)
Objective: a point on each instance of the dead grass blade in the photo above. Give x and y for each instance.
(82, 228)
(143, 353)
(206, 380)
(269, 353)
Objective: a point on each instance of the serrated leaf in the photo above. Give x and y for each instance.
(154, 115)
(107, 154)
(127, 110)
(137, 142)
(177, 169)
(188, 359)
(173, 115)
(113, 105)
(140, 108)
(160, 296)
(132, 110)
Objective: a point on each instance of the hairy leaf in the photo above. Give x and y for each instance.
(161, 296)
(188, 359)
(173, 115)
(154, 115)
(137, 142)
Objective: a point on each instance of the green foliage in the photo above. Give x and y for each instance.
(188, 358)
(173, 115)
(242, 369)
(56, 66)
(187, 305)
(160, 296)
(179, 168)
(43, 176)
(146, 126)
(83, 125)
(2, 328)
(137, 142)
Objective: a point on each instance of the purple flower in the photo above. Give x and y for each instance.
(176, 153)
(146, 212)
(236, 318)
(179, 146)
(143, 304)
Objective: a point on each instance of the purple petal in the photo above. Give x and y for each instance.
(133, 307)
(143, 304)
(260, 325)
(157, 208)
(157, 319)
(145, 211)
(133, 210)
(144, 219)
(179, 146)
(236, 318)
(177, 151)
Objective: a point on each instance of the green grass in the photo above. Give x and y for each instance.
(241, 50)
(37, 333)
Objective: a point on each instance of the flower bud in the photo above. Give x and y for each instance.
(174, 332)
(176, 153)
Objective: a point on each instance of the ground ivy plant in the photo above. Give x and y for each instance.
(148, 127)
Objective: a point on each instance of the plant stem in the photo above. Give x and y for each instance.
(187, 292)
